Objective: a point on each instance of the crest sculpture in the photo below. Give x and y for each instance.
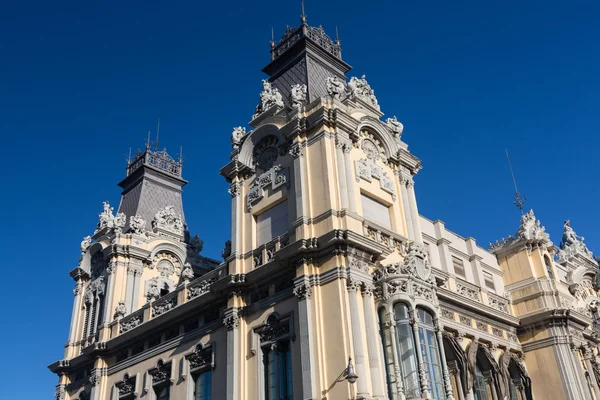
(167, 219)
(298, 95)
(395, 126)
(109, 221)
(572, 244)
(530, 232)
(335, 87)
(360, 89)
(269, 98)
(237, 136)
(137, 224)
(85, 244)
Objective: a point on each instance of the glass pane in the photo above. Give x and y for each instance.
(163, 393)
(288, 363)
(401, 313)
(271, 376)
(408, 360)
(480, 387)
(203, 386)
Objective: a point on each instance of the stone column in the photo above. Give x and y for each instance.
(410, 188)
(422, 375)
(108, 299)
(397, 369)
(303, 291)
(406, 207)
(349, 177)
(341, 169)
(237, 210)
(372, 347)
(95, 381)
(76, 311)
(445, 373)
(231, 322)
(297, 152)
(359, 355)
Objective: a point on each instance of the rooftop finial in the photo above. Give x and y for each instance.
(148, 142)
(272, 37)
(180, 155)
(303, 17)
(337, 35)
(519, 201)
(157, 132)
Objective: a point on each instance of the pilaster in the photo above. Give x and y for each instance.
(303, 291)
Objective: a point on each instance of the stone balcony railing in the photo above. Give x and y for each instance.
(182, 294)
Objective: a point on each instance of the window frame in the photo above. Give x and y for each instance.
(461, 263)
(377, 202)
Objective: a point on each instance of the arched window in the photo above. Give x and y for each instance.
(401, 352)
(549, 267)
(431, 354)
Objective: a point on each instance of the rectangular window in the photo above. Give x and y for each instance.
(376, 212)
(459, 267)
(278, 371)
(203, 386)
(272, 223)
(488, 280)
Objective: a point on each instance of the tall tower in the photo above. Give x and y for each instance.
(131, 261)
(322, 194)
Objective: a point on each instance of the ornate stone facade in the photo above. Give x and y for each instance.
(329, 260)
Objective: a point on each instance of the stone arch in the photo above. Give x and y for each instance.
(246, 155)
(376, 128)
(171, 248)
(456, 356)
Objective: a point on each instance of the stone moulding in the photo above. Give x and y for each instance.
(164, 304)
(276, 177)
(468, 290)
(131, 321)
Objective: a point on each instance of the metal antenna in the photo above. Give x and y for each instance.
(337, 35)
(157, 132)
(148, 142)
(272, 37)
(129, 156)
(180, 154)
(303, 17)
(519, 201)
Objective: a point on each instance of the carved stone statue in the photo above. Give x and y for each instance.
(137, 224)
(298, 95)
(269, 97)
(335, 87)
(361, 89)
(119, 222)
(187, 273)
(120, 310)
(153, 292)
(169, 220)
(571, 243)
(106, 217)
(85, 244)
(395, 126)
(227, 250)
(237, 135)
(196, 244)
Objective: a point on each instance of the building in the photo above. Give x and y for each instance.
(332, 286)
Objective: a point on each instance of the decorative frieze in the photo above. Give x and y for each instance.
(481, 326)
(448, 314)
(498, 303)
(131, 321)
(367, 169)
(468, 290)
(161, 307)
(497, 332)
(465, 320)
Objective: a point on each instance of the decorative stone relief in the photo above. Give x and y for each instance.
(85, 244)
(497, 332)
(273, 330)
(153, 291)
(498, 304)
(465, 320)
(162, 307)
(269, 98)
(168, 220)
(296, 150)
(298, 95)
(231, 321)
(161, 373)
(120, 310)
(367, 169)
(234, 189)
(395, 126)
(360, 88)
(447, 314)
(126, 387)
(468, 291)
(130, 323)
(276, 177)
(303, 290)
(201, 358)
(335, 87)
(137, 224)
(119, 222)
(482, 326)
(237, 136)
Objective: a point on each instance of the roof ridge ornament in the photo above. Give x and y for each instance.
(530, 232)
(572, 244)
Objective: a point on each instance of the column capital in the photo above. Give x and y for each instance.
(232, 319)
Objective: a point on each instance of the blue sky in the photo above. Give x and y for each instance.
(82, 82)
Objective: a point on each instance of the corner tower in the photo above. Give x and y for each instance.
(322, 196)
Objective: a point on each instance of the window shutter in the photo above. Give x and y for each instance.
(459, 267)
(376, 212)
(272, 223)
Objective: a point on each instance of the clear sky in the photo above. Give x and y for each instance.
(82, 82)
